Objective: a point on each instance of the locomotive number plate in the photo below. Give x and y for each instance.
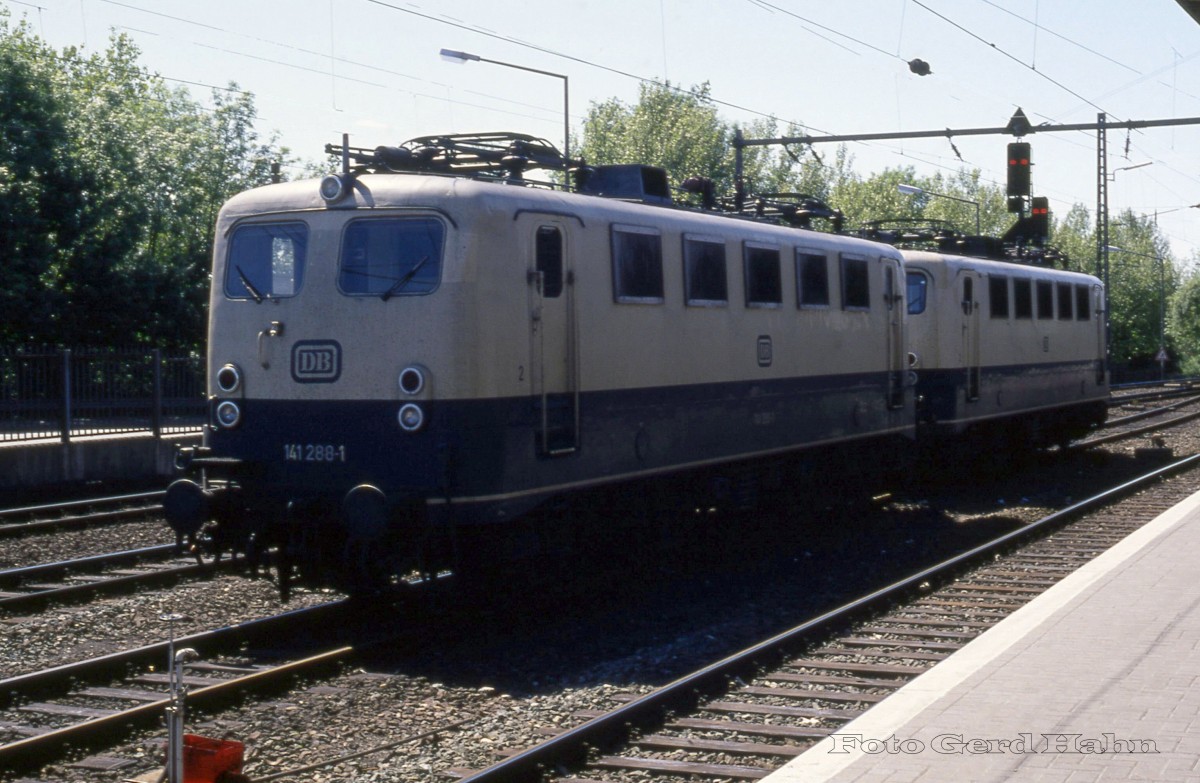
(314, 452)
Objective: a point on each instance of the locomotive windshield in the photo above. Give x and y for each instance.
(917, 286)
(266, 260)
(388, 257)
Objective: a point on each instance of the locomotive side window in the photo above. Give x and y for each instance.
(1065, 311)
(764, 284)
(812, 279)
(549, 258)
(1083, 303)
(1045, 299)
(1022, 298)
(916, 291)
(637, 265)
(704, 279)
(998, 295)
(856, 284)
(266, 260)
(389, 257)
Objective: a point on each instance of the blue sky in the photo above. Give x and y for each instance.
(371, 68)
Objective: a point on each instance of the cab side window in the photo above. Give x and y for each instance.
(812, 279)
(856, 283)
(637, 265)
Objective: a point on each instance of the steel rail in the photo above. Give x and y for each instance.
(1162, 394)
(33, 751)
(77, 503)
(1150, 413)
(12, 576)
(570, 748)
(1116, 436)
(99, 517)
(106, 584)
(59, 678)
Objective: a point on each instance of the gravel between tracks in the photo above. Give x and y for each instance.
(38, 548)
(515, 674)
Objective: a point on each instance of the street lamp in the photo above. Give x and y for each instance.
(1113, 174)
(1162, 298)
(454, 56)
(913, 190)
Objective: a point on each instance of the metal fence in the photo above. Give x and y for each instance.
(64, 394)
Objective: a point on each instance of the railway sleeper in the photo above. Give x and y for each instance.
(669, 766)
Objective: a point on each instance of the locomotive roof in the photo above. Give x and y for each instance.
(995, 266)
(433, 191)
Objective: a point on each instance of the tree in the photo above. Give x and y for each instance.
(681, 131)
(112, 182)
(1183, 324)
(1142, 278)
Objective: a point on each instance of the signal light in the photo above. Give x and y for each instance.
(1039, 218)
(1018, 168)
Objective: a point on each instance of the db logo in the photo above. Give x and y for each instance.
(316, 361)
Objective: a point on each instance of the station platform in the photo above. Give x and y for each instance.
(1096, 679)
(125, 456)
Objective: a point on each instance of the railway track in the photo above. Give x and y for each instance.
(1121, 395)
(684, 742)
(1131, 426)
(30, 587)
(45, 714)
(79, 513)
(742, 717)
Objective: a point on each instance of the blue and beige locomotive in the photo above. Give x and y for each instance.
(430, 343)
(1009, 356)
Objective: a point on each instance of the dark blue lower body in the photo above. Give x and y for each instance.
(1073, 393)
(486, 459)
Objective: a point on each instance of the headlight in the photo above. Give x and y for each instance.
(411, 417)
(228, 414)
(412, 380)
(229, 378)
(333, 188)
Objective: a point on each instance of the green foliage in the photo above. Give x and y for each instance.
(681, 131)
(111, 185)
(1142, 279)
(1183, 324)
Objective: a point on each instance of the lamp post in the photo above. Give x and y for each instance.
(913, 190)
(1162, 304)
(455, 56)
(1113, 175)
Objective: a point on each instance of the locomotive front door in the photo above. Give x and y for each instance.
(969, 282)
(553, 338)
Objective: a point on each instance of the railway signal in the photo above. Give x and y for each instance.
(1039, 218)
(1018, 174)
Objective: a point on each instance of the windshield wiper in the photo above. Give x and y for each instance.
(404, 280)
(254, 292)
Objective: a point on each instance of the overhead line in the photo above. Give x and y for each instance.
(1045, 29)
(1015, 59)
(572, 58)
(828, 29)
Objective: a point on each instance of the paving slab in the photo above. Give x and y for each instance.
(1096, 679)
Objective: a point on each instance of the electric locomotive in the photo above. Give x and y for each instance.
(1008, 356)
(430, 340)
